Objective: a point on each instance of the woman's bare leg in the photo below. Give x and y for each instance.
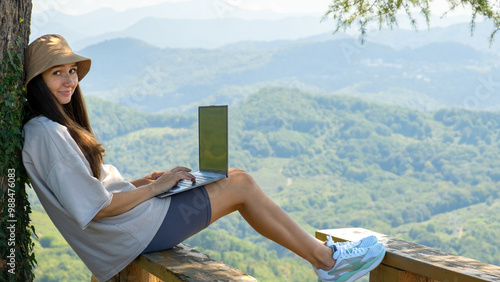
(240, 192)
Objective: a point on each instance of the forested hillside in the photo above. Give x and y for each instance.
(331, 162)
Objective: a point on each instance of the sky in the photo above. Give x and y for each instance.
(75, 7)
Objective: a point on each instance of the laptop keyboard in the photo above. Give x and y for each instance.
(199, 179)
(202, 178)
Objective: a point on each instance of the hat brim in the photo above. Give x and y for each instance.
(83, 65)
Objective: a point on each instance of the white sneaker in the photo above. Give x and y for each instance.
(363, 243)
(353, 263)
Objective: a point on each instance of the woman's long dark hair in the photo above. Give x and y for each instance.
(72, 115)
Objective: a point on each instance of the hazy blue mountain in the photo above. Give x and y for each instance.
(181, 23)
(116, 62)
(459, 33)
(401, 38)
(432, 76)
(77, 27)
(107, 23)
(201, 9)
(211, 33)
(446, 52)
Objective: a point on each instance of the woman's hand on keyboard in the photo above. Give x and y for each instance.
(170, 179)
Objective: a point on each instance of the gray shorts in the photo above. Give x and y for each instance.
(189, 213)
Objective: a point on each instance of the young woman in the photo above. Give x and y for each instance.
(109, 221)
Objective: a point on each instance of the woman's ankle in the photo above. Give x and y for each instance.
(324, 259)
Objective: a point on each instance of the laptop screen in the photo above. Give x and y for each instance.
(212, 126)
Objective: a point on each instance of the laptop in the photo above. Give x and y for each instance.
(212, 148)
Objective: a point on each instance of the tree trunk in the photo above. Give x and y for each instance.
(11, 13)
(16, 246)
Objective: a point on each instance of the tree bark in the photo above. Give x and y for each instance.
(16, 258)
(15, 19)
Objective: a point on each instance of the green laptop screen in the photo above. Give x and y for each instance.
(212, 124)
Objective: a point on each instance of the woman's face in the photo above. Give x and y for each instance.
(61, 81)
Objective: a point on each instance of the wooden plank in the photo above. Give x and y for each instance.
(390, 274)
(180, 263)
(419, 259)
(185, 264)
(135, 273)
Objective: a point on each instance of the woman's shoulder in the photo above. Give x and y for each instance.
(41, 129)
(43, 124)
(41, 121)
(47, 143)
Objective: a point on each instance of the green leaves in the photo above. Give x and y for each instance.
(384, 13)
(11, 115)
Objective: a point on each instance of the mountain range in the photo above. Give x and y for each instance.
(436, 75)
(186, 24)
(212, 24)
(172, 56)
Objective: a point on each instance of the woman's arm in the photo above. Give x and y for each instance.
(125, 201)
(150, 178)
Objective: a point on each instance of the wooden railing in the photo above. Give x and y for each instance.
(180, 263)
(406, 261)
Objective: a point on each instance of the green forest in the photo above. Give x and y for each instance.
(331, 162)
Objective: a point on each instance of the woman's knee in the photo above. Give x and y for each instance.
(236, 170)
(237, 186)
(230, 194)
(236, 178)
(243, 182)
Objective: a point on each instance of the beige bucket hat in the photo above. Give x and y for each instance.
(52, 50)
